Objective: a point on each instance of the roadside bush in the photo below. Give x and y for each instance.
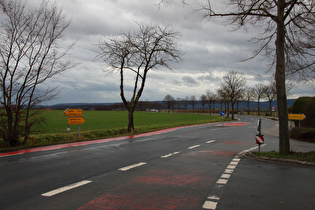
(304, 105)
(309, 112)
(298, 105)
(303, 134)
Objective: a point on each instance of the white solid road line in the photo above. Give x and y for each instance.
(66, 188)
(132, 166)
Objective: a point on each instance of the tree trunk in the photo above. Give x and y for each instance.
(12, 134)
(248, 106)
(131, 127)
(232, 105)
(284, 143)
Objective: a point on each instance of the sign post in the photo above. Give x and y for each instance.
(222, 113)
(259, 137)
(74, 118)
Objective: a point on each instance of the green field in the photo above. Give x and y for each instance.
(56, 121)
(105, 124)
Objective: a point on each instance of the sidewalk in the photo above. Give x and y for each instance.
(296, 146)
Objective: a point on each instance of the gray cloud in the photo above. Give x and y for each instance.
(210, 48)
(189, 81)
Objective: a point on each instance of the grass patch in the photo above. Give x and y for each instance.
(105, 124)
(300, 156)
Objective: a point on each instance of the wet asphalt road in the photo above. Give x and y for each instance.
(188, 168)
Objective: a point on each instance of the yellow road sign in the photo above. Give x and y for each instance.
(73, 112)
(75, 120)
(297, 116)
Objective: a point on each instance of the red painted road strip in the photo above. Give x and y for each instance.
(75, 144)
(235, 124)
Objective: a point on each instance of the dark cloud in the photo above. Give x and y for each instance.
(189, 81)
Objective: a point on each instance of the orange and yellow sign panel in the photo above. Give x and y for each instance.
(297, 116)
(75, 120)
(73, 112)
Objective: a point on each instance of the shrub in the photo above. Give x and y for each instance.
(304, 105)
(303, 134)
(309, 112)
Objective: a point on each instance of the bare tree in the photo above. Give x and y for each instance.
(224, 98)
(211, 99)
(290, 25)
(248, 94)
(233, 87)
(193, 101)
(203, 100)
(152, 46)
(179, 103)
(30, 54)
(271, 94)
(185, 101)
(259, 91)
(170, 102)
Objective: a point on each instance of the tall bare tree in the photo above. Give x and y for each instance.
(233, 87)
(259, 91)
(193, 101)
(223, 97)
(29, 55)
(290, 24)
(203, 100)
(270, 93)
(248, 94)
(211, 99)
(170, 102)
(137, 53)
(185, 101)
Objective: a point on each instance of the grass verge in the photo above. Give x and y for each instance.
(299, 156)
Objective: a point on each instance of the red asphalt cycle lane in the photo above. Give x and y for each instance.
(76, 144)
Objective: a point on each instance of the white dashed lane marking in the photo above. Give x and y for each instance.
(132, 166)
(169, 155)
(211, 141)
(210, 205)
(84, 182)
(66, 188)
(192, 147)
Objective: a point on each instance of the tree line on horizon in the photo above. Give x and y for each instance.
(232, 90)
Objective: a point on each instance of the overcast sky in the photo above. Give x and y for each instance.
(210, 48)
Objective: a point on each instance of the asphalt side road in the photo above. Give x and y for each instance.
(264, 185)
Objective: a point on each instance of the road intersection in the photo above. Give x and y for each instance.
(195, 167)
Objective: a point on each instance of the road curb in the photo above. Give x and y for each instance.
(251, 155)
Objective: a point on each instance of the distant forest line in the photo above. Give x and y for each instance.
(160, 105)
